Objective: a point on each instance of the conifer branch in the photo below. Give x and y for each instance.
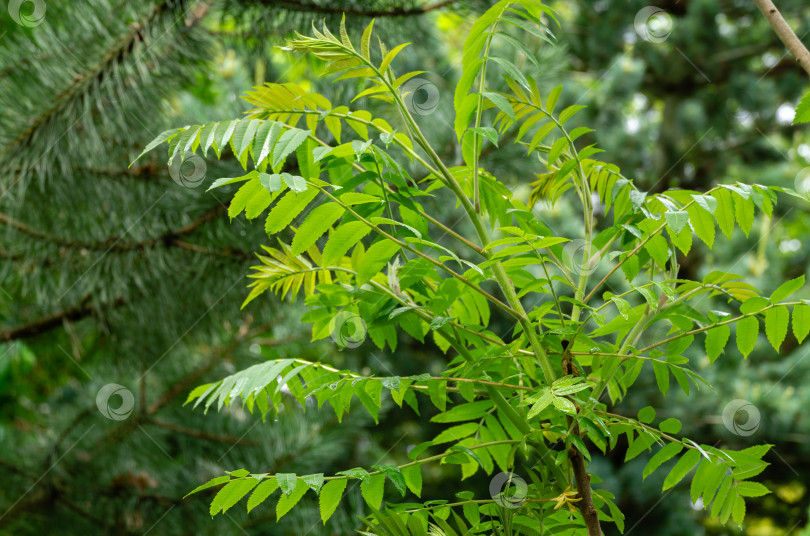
(294, 5)
(115, 243)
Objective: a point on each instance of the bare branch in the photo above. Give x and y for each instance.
(41, 325)
(200, 434)
(114, 243)
(785, 33)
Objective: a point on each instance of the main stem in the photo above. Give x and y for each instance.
(484, 235)
(583, 480)
(586, 506)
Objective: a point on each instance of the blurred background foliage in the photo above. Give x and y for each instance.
(111, 274)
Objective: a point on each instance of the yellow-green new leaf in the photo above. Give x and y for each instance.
(223, 135)
(243, 136)
(706, 480)
(413, 478)
(286, 502)
(564, 405)
(669, 451)
(725, 211)
(722, 495)
(684, 465)
(231, 494)
(314, 481)
(752, 489)
(266, 138)
(386, 62)
(744, 211)
(738, 510)
(375, 259)
(261, 493)
(331, 493)
(166, 135)
(676, 220)
(372, 490)
(551, 102)
(801, 321)
(776, 325)
(365, 41)
(315, 226)
(542, 403)
(786, 289)
(245, 194)
(456, 432)
(343, 239)
(286, 210)
(702, 223)
(747, 332)
(259, 202)
(287, 143)
(344, 35)
(358, 198)
(214, 481)
(716, 340)
(287, 482)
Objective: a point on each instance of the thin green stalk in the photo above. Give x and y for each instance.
(500, 274)
(723, 323)
(427, 216)
(431, 458)
(636, 330)
(524, 428)
(635, 250)
(519, 314)
(550, 284)
(479, 111)
(471, 501)
(385, 195)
